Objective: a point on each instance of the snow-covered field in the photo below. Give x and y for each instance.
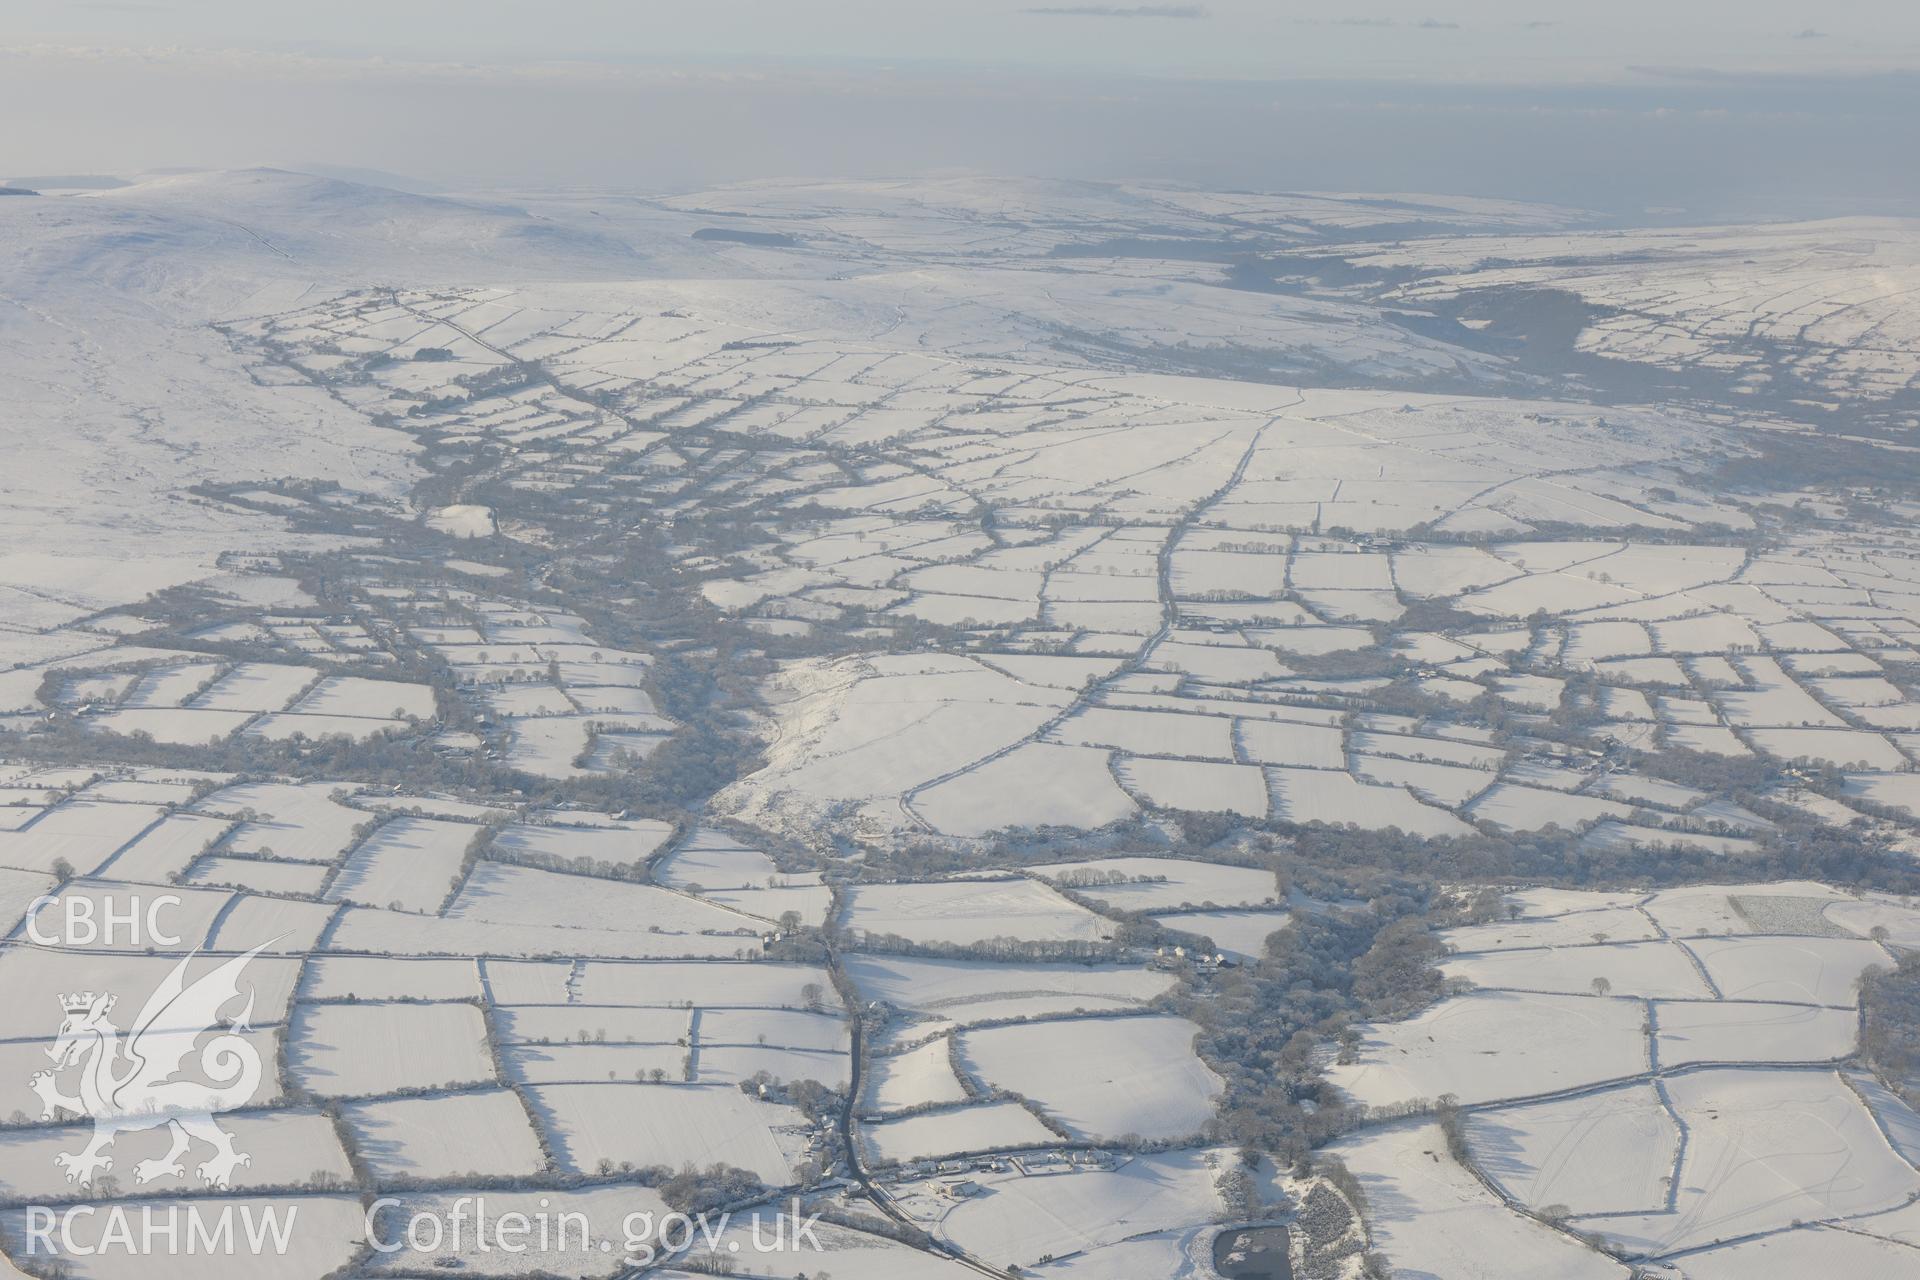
(447, 1136)
(348, 1050)
(971, 911)
(1473, 1048)
(622, 658)
(988, 1127)
(648, 1124)
(1433, 1216)
(969, 991)
(1021, 1219)
(1101, 1077)
(1765, 1150)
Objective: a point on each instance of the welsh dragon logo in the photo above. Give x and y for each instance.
(143, 1081)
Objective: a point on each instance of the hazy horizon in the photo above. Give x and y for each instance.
(1720, 112)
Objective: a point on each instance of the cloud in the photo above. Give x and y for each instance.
(1122, 11)
(326, 67)
(1423, 24)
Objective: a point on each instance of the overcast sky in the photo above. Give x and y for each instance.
(1760, 105)
(1505, 39)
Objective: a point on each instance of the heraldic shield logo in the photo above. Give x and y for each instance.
(178, 1065)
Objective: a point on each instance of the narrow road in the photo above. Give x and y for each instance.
(856, 1164)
